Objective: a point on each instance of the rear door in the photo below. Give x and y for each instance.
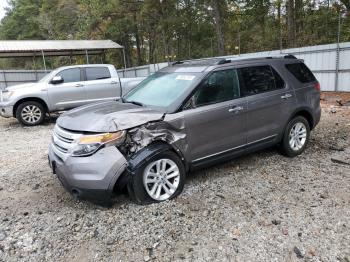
(70, 93)
(99, 84)
(215, 116)
(270, 102)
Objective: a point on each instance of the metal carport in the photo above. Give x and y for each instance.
(37, 48)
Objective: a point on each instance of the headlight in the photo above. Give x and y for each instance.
(89, 144)
(6, 95)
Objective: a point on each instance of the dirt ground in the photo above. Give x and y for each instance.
(260, 207)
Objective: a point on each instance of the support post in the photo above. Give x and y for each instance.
(3, 71)
(42, 53)
(337, 55)
(87, 56)
(124, 57)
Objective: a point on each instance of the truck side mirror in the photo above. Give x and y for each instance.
(56, 80)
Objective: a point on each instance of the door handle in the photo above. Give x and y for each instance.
(79, 85)
(235, 109)
(286, 96)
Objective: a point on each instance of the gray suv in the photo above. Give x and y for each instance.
(186, 116)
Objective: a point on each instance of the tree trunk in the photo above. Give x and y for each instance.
(137, 38)
(218, 27)
(290, 22)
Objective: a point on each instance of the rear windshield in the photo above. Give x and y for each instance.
(301, 72)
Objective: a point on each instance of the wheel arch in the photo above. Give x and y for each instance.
(306, 113)
(27, 99)
(143, 156)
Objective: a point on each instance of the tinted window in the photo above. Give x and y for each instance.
(70, 75)
(301, 72)
(96, 73)
(220, 86)
(279, 82)
(259, 79)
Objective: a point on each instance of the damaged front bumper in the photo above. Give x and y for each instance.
(92, 177)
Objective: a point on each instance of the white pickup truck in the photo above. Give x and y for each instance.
(62, 89)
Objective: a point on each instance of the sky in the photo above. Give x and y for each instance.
(3, 4)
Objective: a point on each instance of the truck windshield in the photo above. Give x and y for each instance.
(48, 77)
(161, 89)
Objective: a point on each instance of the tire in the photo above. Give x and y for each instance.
(30, 113)
(300, 138)
(141, 192)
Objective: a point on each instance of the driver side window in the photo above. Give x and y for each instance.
(220, 86)
(70, 75)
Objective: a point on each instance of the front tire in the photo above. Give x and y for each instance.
(160, 178)
(30, 113)
(296, 137)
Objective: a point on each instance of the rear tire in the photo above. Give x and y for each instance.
(30, 113)
(161, 178)
(296, 137)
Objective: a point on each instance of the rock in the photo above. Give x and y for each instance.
(285, 231)
(2, 235)
(110, 242)
(146, 258)
(25, 213)
(36, 187)
(276, 222)
(298, 252)
(59, 219)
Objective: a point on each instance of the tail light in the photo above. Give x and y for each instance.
(317, 86)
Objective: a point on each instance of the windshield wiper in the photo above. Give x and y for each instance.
(134, 102)
(131, 102)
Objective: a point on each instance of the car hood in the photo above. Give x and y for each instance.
(22, 86)
(109, 116)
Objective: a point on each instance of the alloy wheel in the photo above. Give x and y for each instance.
(161, 179)
(31, 114)
(297, 136)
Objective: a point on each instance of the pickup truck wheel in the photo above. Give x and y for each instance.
(296, 137)
(160, 178)
(30, 113)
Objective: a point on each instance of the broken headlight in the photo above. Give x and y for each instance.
(89, 144)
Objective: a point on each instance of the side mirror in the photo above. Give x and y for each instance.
(56, 80)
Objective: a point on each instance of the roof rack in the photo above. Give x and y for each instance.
(221, 61)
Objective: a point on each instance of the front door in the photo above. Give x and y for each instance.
(68, 94)
(215, 116)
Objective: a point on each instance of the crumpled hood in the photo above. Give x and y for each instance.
(109, 116)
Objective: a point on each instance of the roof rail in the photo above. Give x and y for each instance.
(290, 56)
(178, 63)
(223, 61)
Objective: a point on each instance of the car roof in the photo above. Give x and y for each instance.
(85, 65)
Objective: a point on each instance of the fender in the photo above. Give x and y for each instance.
(145, 154)
(136, 161)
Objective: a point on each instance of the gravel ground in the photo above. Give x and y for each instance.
(261, 207)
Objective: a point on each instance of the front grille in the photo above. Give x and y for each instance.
(62, 141)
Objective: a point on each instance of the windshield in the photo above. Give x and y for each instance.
(48, 77)
(161, 89)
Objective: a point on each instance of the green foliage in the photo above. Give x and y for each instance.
(165, 30)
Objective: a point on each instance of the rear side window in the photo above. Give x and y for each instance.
(97, 73)
(259, 79)
(301, 72)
